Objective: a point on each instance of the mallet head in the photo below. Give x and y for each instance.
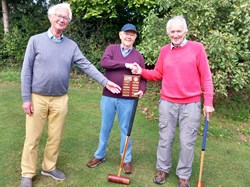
(118, 179)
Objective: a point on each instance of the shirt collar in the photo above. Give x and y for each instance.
(182, 44)
(124, 51)
(53, 38)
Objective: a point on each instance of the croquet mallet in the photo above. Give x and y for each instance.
(118, 178)
(200, 183)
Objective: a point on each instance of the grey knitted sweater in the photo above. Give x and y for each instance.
(47, 65)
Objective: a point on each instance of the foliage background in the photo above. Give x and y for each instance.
(222, 26)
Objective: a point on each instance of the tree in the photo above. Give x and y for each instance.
(26, 18)
(113, 8)
(113, 13)
(5, 16)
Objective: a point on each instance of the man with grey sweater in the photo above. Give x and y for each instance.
(45, 76)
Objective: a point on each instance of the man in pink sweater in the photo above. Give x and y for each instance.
(183, 68)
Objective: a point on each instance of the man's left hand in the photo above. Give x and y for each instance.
(114, 88)
(139, 94)
(207, 111)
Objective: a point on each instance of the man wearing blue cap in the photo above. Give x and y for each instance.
(113, 61)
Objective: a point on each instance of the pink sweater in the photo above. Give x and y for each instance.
(185, 74)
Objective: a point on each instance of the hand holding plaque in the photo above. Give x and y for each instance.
(130, 85)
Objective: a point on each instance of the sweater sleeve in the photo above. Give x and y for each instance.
(157, 73)
(27, 70)
(143, 82)
(87, 67)
(108, 61)
(205, 77)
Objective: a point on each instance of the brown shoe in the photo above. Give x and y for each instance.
(128, 168)
(95, 162)
(184, 182)
(160, 177)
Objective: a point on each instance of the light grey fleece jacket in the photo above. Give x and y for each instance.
(47, 65)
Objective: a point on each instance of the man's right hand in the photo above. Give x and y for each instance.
(28, 108)
(134, 67)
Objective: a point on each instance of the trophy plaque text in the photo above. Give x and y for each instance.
(130, 85)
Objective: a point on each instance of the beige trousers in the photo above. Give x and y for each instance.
(52, 109)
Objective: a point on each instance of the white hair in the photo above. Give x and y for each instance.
(175, 19)
(52, 9)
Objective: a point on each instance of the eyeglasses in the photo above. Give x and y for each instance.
(59, 17)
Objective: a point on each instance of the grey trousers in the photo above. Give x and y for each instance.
(188, 118)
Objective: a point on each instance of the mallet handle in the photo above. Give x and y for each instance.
(132, 117)
(128, 134)
(203, 148)
(201, 168)
(204, 140)
(123, 155)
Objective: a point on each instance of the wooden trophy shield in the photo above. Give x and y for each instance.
(130, 85)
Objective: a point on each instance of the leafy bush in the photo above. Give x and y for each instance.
(153, 37)
(26, 19)
(13, 49)
(10, 76)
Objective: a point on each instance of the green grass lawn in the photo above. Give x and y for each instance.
(227, 154)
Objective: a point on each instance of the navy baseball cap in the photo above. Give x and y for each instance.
(128, 27)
